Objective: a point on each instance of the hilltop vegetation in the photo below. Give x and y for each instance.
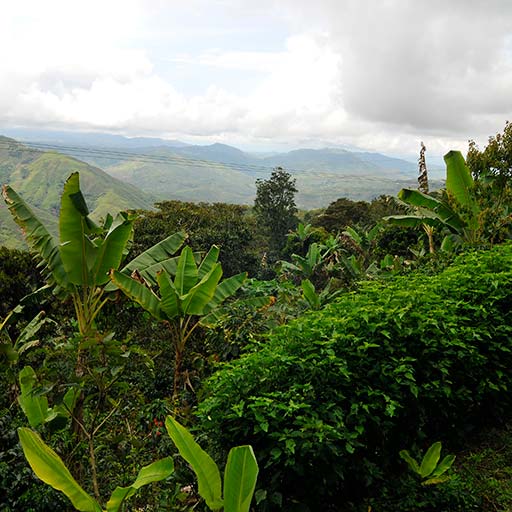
(365, 336)
(39, 177)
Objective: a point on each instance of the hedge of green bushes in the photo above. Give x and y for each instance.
(328, 400)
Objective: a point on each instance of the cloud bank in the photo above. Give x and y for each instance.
(377, 74)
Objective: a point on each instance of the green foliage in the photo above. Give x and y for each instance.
(324, 400)
(239, 476)
(196, 291)
(345, 212)
(48, 466)
(430, 470)
(18, 277)
(228, 226)
(275, 207)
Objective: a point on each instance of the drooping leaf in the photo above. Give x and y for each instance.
(186, 274)
(404, 454)
(412, 221)
(155, 472)
(430, 460)
(37, 236)
(77, 251)
(207, 472)
(240, 478)
(48, 466)
(138, 293)
(34, 406)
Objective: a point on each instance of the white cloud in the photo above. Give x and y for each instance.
(377, 74)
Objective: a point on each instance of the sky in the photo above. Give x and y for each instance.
(379, 75)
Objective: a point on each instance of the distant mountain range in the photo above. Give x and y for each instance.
(138, 171)
(170, 169)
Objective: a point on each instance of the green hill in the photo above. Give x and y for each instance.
(39, 178)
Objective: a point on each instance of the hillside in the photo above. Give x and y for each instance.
(170, 169)
(39, 177)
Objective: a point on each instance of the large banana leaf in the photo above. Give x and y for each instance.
(48, 466)
(77, 251)
(432, 205)
(202, 293)
(207, 472)
(225, 289)
(170, 300)
(208, 262)
(37, 236)
(155, 472)
(460, 184)
(240, 478)
(34, 406)
(186, 274)
(111, 251)
(154, 259)
(138, 292)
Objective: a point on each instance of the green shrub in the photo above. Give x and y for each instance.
(329, 400)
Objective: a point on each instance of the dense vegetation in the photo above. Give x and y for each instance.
(359, 331)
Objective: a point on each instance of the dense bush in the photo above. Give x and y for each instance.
(329, 400)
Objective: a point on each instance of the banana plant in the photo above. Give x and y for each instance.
(458, 213)
(50, 468)
(194, 294)
(430, 470)
(13, 349)
(240, 474)
(35, 405)
(78, 264)
(317, 300)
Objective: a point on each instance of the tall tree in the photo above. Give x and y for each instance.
(275, 208)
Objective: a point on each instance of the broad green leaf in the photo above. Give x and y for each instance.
(207, 472)
(240, 478)
(404, 454)
(430, 460)
(48, 466)
(155, 472)
(201, 294)
(225, 289)
(110, 252)
(153, 260)
(459, 182)
(443, 466)
(169, 301)
(37, 236)
(138, 293)
(352, 233)
(208, 262)
(436, 480)
(308, 289)
(34, 406)
(186, 274)
(77, 251)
